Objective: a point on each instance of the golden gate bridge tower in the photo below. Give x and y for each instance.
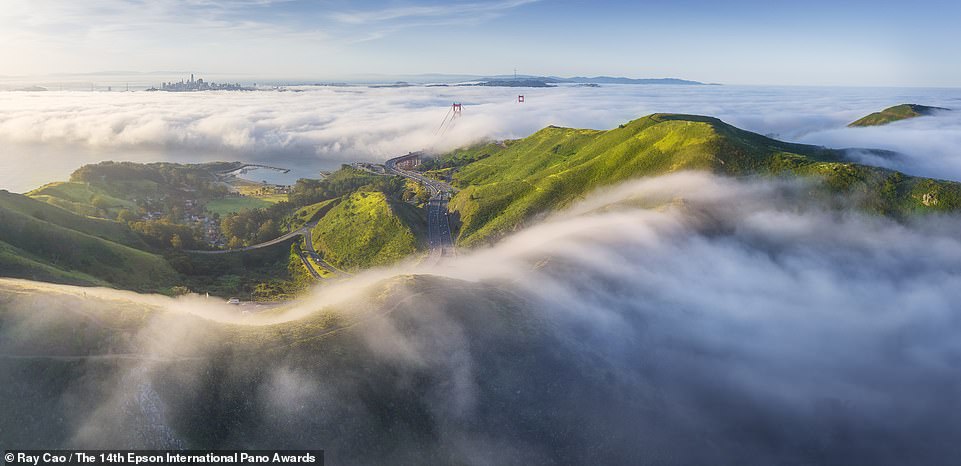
(455, 111)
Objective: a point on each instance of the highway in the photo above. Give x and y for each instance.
(439, 237)
(310, 267)
(317, 258)
(438, 229)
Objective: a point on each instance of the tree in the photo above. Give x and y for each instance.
(176, 241)
(267, 231)
(126, 216)
(235, 243)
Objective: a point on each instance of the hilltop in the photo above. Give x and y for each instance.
(366, 229)
(82, 198)
(896, 113)
(506, 186)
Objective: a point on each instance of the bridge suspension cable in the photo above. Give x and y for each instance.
(452, 114)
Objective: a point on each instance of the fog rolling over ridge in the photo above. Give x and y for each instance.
(322, 127)
(685, 319)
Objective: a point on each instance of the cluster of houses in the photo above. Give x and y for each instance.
(196, 216)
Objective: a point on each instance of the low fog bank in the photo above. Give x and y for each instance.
(927, 146)
(686, 319)
(321, 127)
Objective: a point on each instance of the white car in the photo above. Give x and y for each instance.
(233, 301)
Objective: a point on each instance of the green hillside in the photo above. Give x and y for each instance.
(43, 242)
(509, 186)
(17, 263)
(896, 113)
(42, 211)
(62, 232)
(311, 213)
(81, 198)
(369, 229)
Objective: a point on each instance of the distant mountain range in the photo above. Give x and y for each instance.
(551, 81)
(506, 80)
(595, 80)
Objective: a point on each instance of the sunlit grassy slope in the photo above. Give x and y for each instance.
(43, 242)
(106, 229)
(308, 214)
(507, 186)
(895, 113)
(81, 198)
(15, 262)
(367, 229)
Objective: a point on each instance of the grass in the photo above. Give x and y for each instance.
(229, 205)
(274, 198)
(17, 263)
(463, 156)
(556, 166)
(895, 113)
(81, 198)
(69, 248)
(367, 229)
(255, 189)
(101, 228)
(308, 214)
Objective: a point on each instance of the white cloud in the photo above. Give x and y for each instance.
(928, 146)
(322, 127)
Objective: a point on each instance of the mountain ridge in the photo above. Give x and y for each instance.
(505, 186)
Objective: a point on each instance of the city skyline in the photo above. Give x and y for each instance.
(858, 43)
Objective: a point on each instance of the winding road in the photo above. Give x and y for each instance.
(311, 252)
(302, 231)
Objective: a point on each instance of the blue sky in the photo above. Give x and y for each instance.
(735, 42)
